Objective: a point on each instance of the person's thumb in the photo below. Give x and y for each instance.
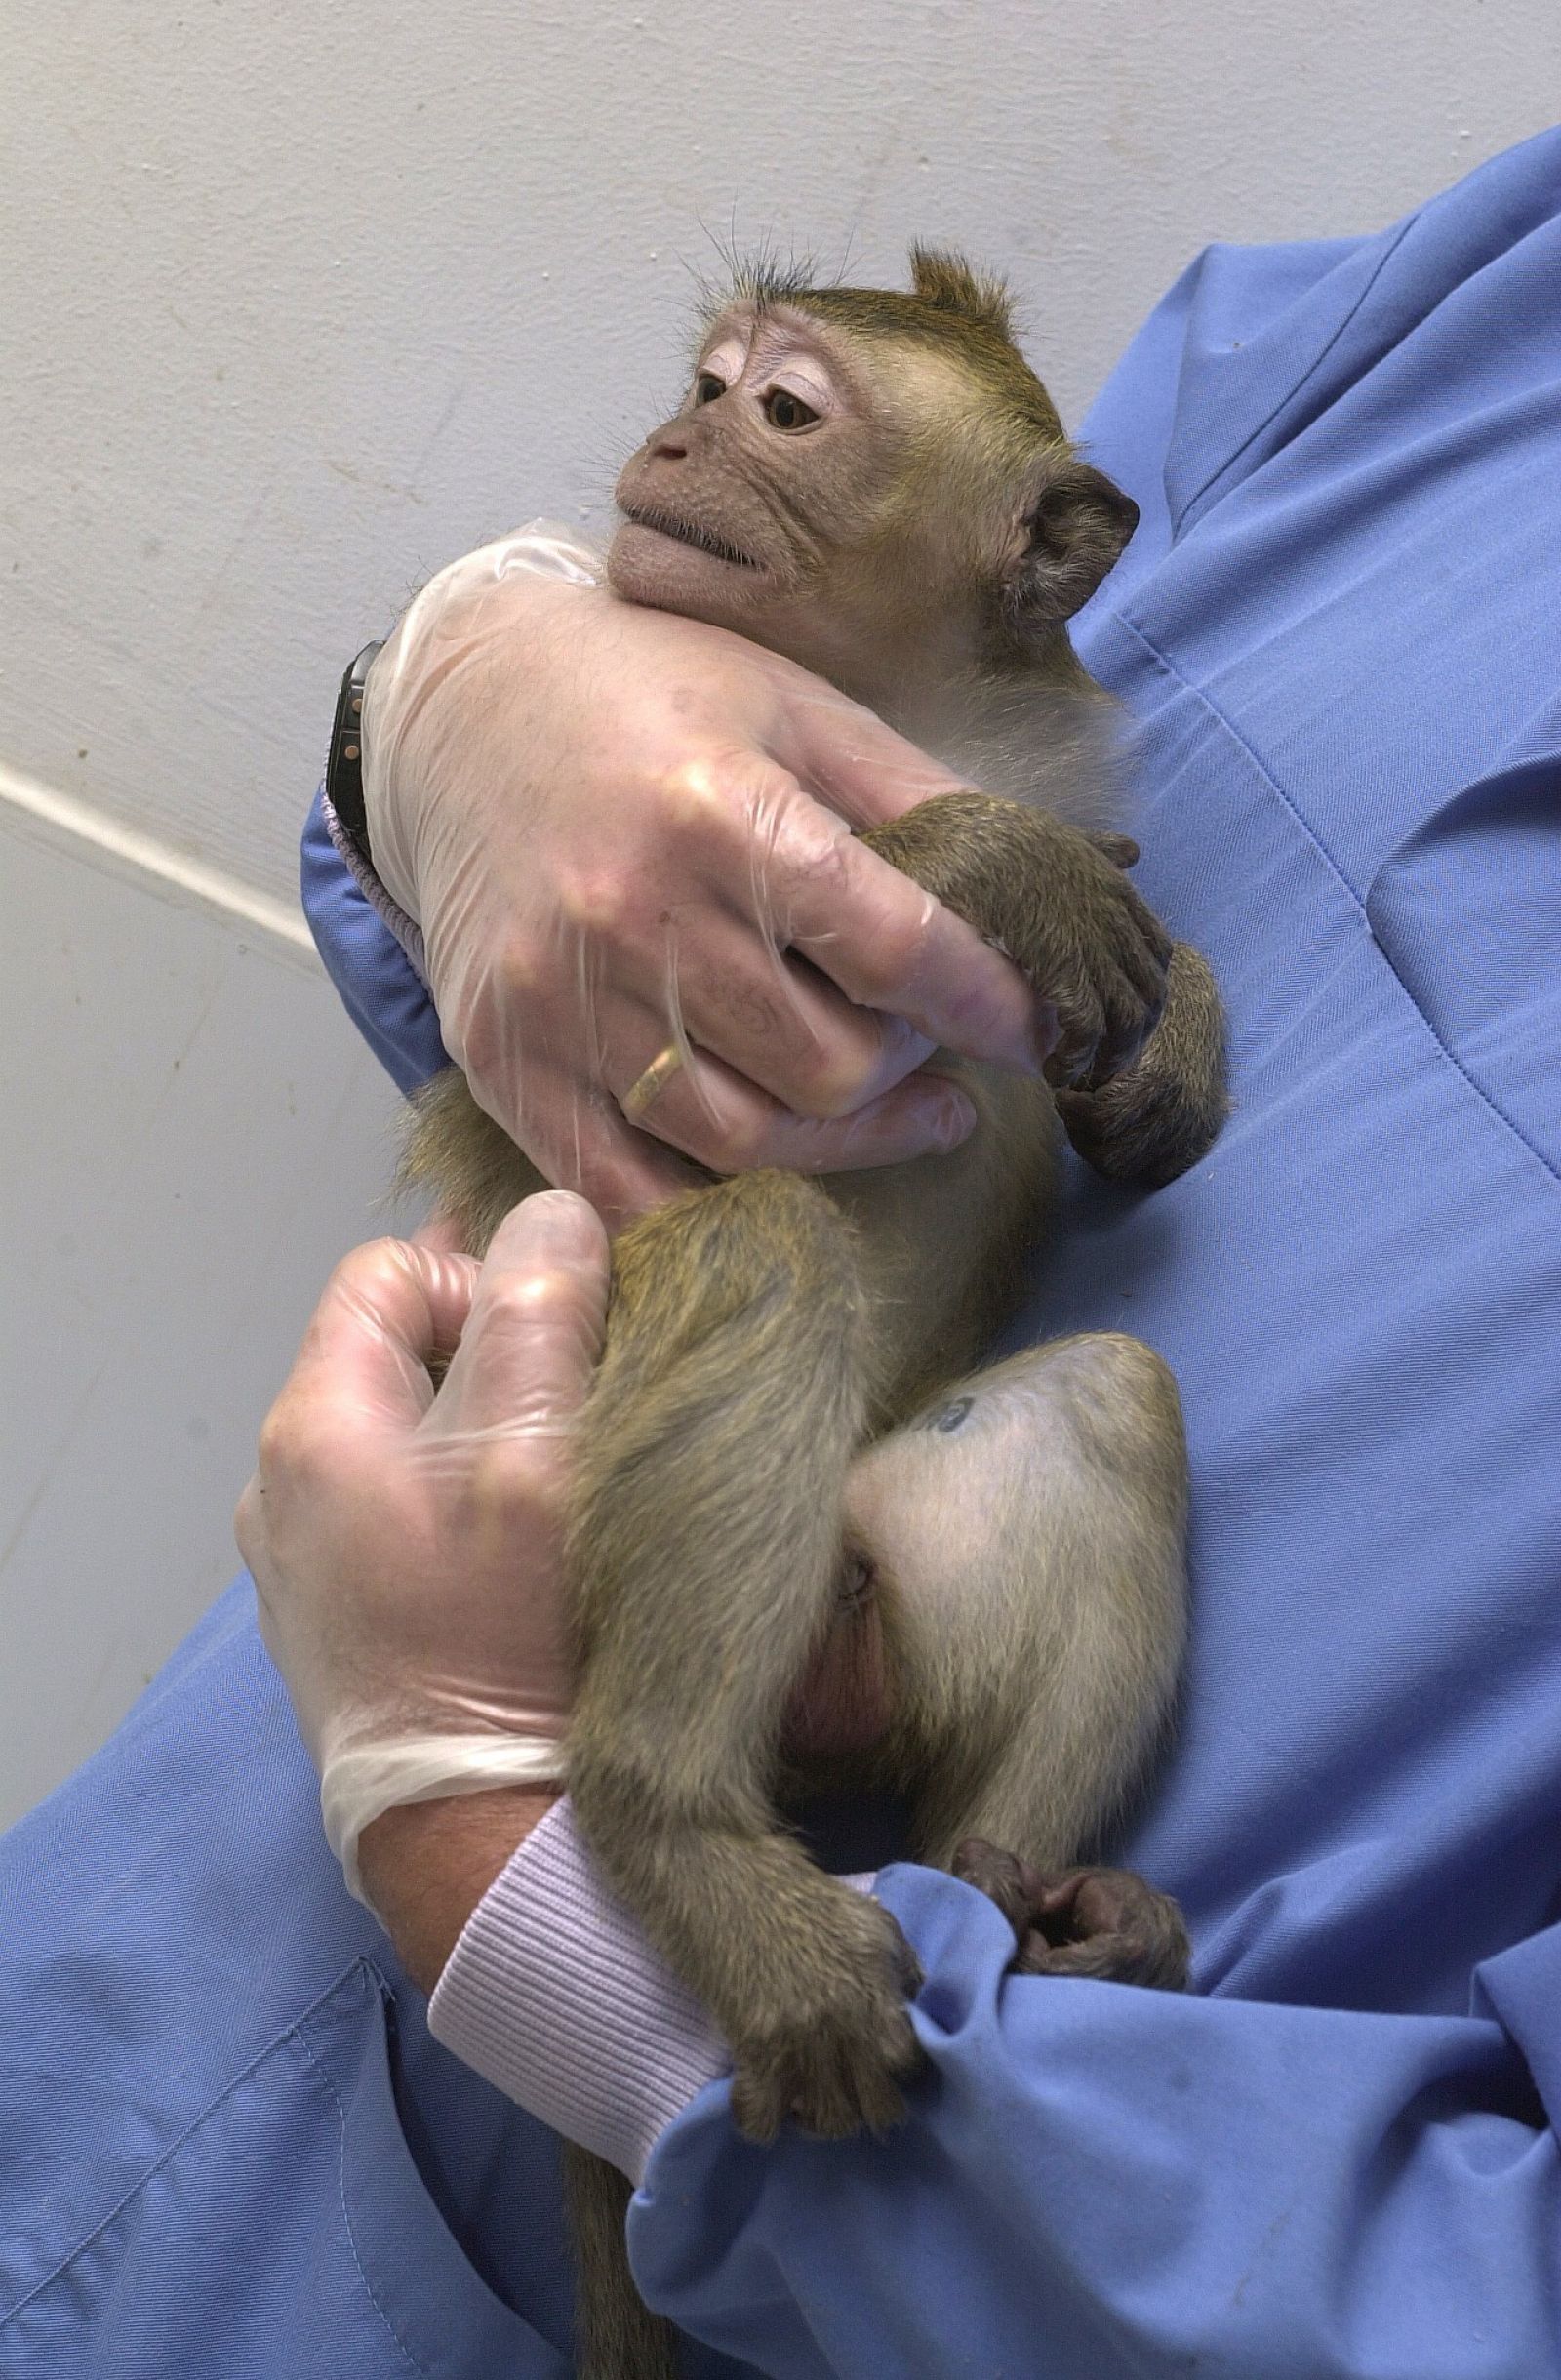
(847, 757)
(534, 1331)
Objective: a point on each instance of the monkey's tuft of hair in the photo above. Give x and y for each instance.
(944, 280)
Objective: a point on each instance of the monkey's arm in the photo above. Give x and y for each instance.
(1139, 1066)
(1060, 907)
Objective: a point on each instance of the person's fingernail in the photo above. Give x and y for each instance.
(951, 1120)
(556, 1220)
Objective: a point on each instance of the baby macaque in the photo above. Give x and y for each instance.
(786, 1445)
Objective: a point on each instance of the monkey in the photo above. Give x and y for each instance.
(875, 484)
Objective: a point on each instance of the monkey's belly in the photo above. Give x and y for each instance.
(944, 1241)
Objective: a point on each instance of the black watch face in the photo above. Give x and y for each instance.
(344, 773)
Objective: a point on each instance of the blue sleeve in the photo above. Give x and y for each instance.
(378, 985)
(1104, 2184)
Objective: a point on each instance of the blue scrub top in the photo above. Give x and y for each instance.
(227, 2143)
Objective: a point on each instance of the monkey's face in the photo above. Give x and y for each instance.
(867, 505)
(828, 498)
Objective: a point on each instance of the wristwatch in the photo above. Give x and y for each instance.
(343, 767)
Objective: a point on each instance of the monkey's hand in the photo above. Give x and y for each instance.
(1104, 1922)
(1058, 902)
(1163, 1112)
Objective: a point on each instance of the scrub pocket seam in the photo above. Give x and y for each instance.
(1357, 901)
(287, 2033)
(293, 2033)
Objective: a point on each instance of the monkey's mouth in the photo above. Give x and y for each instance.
(688, 533)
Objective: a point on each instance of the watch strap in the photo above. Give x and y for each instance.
(344, 766)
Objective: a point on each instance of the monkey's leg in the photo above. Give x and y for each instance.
(617, 2337)
(704, 1550)
(1027, 1539)
(1163, 1112)
(1104, 1922)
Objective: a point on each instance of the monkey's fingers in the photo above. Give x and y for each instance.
(1142, 1126)
(827, 2088)
(1104, 1020)
(1157, 1117)
(1107, 1923)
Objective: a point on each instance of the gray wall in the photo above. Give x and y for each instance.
(300, 302)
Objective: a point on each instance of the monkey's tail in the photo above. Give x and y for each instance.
(617, 2336)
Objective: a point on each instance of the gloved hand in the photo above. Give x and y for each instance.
(622, 831)
(405, 1545)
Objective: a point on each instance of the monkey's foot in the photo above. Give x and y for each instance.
(834, 2055)
(1144, 1125)
(1163, 1112)
(1104, 1922)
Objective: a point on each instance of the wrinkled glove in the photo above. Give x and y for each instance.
(405, 1544)
(624, 833)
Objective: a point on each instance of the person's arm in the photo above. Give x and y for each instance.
(1115, 2185)
(405, 1539)
(381, 990)
(427, 1865)
(1092, 2181)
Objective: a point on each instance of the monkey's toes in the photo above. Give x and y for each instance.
(1109, 1923)
(829, 2082)
(1009, 1882)
(1104, 1923)
(1142, 1126)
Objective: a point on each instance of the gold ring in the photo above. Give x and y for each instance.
(647, 1088)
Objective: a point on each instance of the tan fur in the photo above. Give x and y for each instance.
(1027, 1559)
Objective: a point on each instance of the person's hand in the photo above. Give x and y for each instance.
(624, 831)
(404, 1548)
(405, 1544)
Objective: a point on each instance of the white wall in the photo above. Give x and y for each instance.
(296, 303)
(193, 1134)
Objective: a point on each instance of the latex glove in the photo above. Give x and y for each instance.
(620, 829)
(405, 1545)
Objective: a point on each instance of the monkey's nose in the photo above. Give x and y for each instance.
(665, 448)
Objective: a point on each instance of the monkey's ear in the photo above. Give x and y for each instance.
(1074, 531)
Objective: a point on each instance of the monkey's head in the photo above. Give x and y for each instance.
(871, 481)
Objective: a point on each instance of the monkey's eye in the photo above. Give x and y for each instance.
(783, 411)
(707, 386)
(948, 1418)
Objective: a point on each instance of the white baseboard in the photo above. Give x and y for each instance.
(105, 842)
